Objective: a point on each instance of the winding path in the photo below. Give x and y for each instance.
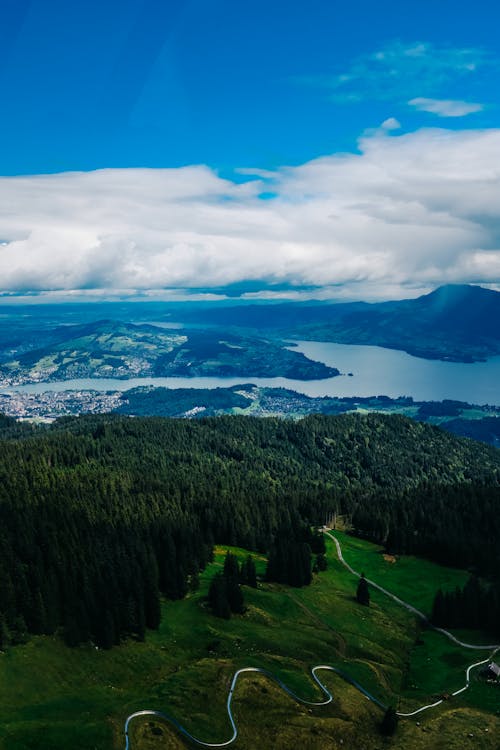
(269, 675)
(407, 606)
(320, 667)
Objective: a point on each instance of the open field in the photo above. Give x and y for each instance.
(411, 578)
(52, 697)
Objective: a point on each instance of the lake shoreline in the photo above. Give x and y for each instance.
(375, 371)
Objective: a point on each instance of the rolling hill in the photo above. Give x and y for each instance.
(108, 348)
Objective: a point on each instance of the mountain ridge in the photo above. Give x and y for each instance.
(456, 322)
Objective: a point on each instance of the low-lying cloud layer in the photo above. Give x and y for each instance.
(406, 212)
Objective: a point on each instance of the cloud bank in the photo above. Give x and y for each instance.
(406, 212)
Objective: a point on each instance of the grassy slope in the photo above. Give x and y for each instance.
(52, 697)
(411, 578)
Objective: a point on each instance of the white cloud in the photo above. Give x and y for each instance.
(391, 124)
(406, 212)
(445, 107)
(401, 71)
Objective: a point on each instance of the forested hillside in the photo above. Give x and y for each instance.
(98, 515)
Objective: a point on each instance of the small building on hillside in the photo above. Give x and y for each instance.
(493, 671)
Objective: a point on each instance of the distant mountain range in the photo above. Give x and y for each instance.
(460, 323)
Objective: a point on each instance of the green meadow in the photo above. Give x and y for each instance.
(53, 697)
(412, 579)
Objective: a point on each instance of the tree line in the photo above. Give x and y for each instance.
(455, 524)
(475, 606)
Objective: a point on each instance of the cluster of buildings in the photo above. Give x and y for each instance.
(49, 405)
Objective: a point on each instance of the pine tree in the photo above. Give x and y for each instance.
(218, 597)
(152, 608)
(321, 563)
(389, 722)
(19, 631)
(362, 592)
(106, 637)
(4, 634)
(235, 596)
(305, 564)
(438, 616)
(278, 567)
(71, 633)
(141, 623)
(248, 574)
(51, 599)
(316, 541)
(230, 566)
(231, 575)
(194, 581)
(38, 623)
(7, 594)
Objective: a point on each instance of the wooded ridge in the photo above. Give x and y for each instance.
(100, 515)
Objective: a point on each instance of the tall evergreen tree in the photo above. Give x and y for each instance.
(363, 592)
(152, 607)
(235, 596)
(218, 596)
(438, 616)
(106, 634)
(19, 631)
(4, 634)
(321, 563)
(231, 566)
(389, 722)
(248, 574)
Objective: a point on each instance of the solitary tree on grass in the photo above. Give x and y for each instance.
(389, 722)
(362, 592)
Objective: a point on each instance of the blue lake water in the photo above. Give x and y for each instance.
(375, 371)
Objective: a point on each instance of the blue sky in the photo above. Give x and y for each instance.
(320, 148)
(157, 83)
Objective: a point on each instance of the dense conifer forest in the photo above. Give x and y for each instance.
(475, 606)
(99, 516)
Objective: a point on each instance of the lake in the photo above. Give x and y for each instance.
(375, 371)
